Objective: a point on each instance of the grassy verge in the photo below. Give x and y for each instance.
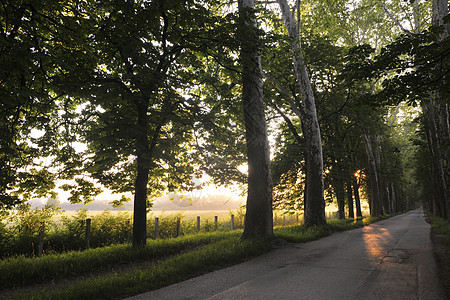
(24, 271)
(301, 234)
(440, 226)
(218, 254)
(173, 260)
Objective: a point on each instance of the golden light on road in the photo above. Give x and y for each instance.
(375, 238)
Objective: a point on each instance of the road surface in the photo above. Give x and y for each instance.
(391, 259)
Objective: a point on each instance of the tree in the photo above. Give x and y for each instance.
(414, 69)
(138, 125)
(374, 184)
(314, 199)
(258, 217)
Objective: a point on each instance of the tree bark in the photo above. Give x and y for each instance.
(388, 199)
(394, 201)
(437, 119)
(375, 201)
(357, 199)
(314, 202)
(340, 195)
(439, 11)
(258, 217)
(381, 182)
(436, 158)
(444, 135)
(351, 212)
(143, 167)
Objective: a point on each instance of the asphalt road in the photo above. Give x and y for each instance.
(391, 259)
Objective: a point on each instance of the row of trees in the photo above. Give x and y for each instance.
(144, 96)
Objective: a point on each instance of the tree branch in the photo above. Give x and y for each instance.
(395, 20)
(281, 89)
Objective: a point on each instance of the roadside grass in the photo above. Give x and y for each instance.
(213, 256)
(22, 270)
(440, 226)
(172, 260)
(301, 234)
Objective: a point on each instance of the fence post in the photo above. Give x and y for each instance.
(284, 220)
(215, 222)
(156, 227)
(41, 239)
(297, 218)
(88, 233)
(178, 227)
(232, 222)
(290, 219)
(198, 223)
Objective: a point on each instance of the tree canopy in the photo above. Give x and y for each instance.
(142, 97)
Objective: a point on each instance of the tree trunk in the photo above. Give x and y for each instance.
(258, 217)
(340, 195)
(351, 212)
(357, 199)
(394, 205)
(439, 11)
(437, 127)
(375, 200)
(436, 158)
(314, 202)
(143, 167)
(381, 181)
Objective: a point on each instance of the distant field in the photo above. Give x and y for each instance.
(157, 212)
(188, 214)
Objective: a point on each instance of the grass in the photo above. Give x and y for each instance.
(440, 226)
(301, 234)
(24, 271)
(171, 261)
(218, 254)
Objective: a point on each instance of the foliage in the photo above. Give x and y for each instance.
(59, 236)
(168, 225)
(22, 228)
(82, 72)
(27, 66)
(415, 65)
(20, 232)
(157, 82)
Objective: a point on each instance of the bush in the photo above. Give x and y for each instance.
(167, 225)
(22, 235)
(108, 229)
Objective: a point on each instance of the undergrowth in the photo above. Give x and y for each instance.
(19, 231)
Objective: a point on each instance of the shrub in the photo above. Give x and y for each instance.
(108, 229)
(24, 230)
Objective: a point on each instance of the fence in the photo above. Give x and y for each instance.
(279, 220)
